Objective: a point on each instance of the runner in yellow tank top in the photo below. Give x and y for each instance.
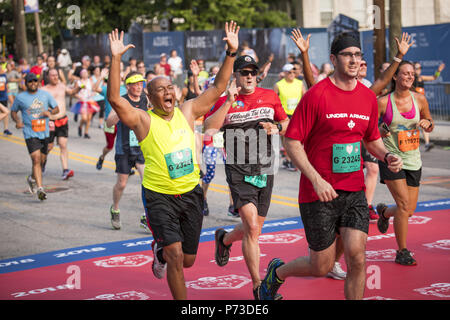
(172, 197)
(290, 90)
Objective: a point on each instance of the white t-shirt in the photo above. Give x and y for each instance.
(176, 64)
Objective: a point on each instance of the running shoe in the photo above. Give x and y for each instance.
(337, 273)
(382, 223)
(41, 194)
(291, 167)
(31, 184)
(86, 136)
(256, 294)
(232, 212)
(429, 146)
(372, 214)
(158, 267)
(115, 218)
(270, 285)
(222, 254)
(404, 257)
(99, 164)
(205, 208)
(80, 131)
(6, 132)
(67, 174)
(143, 223)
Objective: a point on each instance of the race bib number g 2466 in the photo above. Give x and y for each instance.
(179, 163)
(346, 157)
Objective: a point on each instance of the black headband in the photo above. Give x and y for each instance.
(344, 42)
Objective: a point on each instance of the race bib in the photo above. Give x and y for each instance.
(346, 157)
(292, 104)
(179, 163)
(133, 140)
(408, 140)
(257, 181)
(218, 140)
(38, 125)
(51, 125)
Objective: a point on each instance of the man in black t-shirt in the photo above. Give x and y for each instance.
(128, 151)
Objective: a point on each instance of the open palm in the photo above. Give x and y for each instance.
(298, 39)
(231, 36)
(116, 43)
(405, 44)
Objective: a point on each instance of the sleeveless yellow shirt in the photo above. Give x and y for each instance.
(290, 94)
(169, 152)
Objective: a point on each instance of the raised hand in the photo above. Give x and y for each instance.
(298, 39)
(233, 91)
(231, 36)
(116, 43)
(405, 44)
(194, 67)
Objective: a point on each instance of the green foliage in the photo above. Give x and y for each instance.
(101, 16)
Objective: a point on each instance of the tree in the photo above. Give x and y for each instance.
(395, 25)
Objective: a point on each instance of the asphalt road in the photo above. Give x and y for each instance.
(77, 212)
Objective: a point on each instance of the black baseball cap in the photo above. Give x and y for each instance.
(244, 61)
(30, 77)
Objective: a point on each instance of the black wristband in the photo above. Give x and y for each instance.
(230, 54)
(431, 123)
(280, 127)
(385, 157)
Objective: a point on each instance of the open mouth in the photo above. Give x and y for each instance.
(168, 102)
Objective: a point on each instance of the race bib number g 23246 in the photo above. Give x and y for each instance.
(346, 157)
(257, 181)
(179, 163)
(408, 140)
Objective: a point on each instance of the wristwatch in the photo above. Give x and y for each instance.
(231, 54)
(280, 127)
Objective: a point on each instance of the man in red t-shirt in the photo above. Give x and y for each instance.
(323, 141)
(247, 115)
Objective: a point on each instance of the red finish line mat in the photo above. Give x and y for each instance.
(122, 270)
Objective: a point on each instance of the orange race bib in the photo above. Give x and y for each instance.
(2, 86)
(38, 125)
(408, 140)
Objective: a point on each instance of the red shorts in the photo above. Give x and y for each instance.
(110, 137)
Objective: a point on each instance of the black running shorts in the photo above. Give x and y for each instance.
(125, 162)
(412, 176)
(243, 193)
(322, 220)
(34, 144)
(175, 218)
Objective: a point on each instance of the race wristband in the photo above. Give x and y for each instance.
(231, 54)
(437, 74)
(386, 156)
(397, 59)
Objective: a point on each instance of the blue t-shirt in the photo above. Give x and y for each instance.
(32, 106)
(3, 91)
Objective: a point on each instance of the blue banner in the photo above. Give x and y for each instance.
(156, 43)
(431, 48)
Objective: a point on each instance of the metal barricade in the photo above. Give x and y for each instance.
(438, 96)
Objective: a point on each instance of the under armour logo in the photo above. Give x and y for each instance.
(351, 124)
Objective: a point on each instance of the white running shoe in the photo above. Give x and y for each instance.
(337, 273)
(158, 268)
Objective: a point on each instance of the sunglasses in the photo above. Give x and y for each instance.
(357, 55)
(245, 73)
(32, 81)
